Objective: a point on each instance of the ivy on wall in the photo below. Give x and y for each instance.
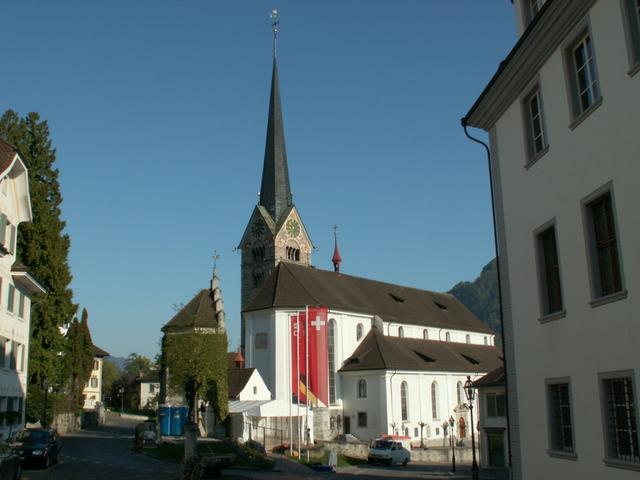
(197, 363)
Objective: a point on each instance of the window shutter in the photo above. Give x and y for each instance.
(12, 238)
(3, 228)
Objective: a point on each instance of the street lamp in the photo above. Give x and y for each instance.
(453, 445)
(121, 392)
(471, 395)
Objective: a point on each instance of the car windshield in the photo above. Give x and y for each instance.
(32, 436)
(383, 444)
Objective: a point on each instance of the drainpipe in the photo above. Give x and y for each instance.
(463, 122)
(391, 392)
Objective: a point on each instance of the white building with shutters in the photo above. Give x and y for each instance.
(16, 289)
(562, 117)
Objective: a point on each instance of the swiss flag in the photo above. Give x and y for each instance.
(315, 382)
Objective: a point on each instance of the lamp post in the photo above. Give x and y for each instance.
(453, 444)
(121, 392)
(45, 387)
(471, 395)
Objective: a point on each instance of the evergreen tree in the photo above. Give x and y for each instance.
(43, 248)
(79, 360)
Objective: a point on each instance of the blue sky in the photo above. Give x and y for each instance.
(158, 111)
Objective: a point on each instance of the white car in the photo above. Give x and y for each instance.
(388, 452)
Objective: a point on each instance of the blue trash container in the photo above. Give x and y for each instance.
(178, 419)
(164, 417)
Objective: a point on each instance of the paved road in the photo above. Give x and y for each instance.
(104, 454)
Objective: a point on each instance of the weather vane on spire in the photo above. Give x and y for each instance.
(275, 21)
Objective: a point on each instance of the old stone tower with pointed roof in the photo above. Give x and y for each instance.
(275, 231)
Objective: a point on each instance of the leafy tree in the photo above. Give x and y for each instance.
(136, 364)
(110, 374)
(79, 359)
(43, 248)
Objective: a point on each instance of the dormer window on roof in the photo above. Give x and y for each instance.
(440, 305)
(469, 359)
(396, 298)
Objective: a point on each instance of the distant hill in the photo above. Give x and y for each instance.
(481, 297)
(119, 361)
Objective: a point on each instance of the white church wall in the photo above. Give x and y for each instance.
(260, 345)
(374, 404)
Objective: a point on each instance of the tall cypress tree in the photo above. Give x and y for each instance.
(79, 360)
(43, 248)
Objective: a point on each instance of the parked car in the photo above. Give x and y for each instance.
(10, 468)
(388, 452)
(37, 445)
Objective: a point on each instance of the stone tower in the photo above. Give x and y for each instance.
(275, 231)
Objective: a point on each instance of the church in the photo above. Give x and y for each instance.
(392, 359)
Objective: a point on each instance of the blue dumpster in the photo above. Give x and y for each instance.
(164, 416)
(178, 419)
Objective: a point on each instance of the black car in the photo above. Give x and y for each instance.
(37, 445)
(9, 464)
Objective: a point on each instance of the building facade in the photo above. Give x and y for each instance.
(93, 388)
(16, 290)
(561, 114)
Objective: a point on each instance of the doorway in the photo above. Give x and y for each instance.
(496, 449)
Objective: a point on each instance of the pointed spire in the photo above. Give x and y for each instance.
(275, 191)
(216, 294)
(337, 259)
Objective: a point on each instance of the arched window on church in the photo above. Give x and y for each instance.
(258, 275)
(293, 254)
(404, 394)
(332, 361)
(434, 400)
(400, 332)
(258, 253)
(359, 331)
(425, 334)
(362, 388)
(448, 336)
(459, 393)
(468, 338)
(486, 341)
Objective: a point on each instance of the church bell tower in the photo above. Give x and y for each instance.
(275, 232)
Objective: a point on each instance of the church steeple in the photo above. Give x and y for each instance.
(275, 190)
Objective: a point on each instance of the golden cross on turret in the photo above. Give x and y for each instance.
(335, 231)
(216, 257)
(275, 21)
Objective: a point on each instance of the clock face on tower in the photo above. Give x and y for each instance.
(257, 228)
(293, 227)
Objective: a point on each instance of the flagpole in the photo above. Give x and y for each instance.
(298, 376)
(290, 390)
(307, 381)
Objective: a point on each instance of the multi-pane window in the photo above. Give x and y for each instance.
(585, 76)
(549, 271)
(13, 359)
(404, 394)
(560, 425)
(11, 298)
(332, 361)
(621, 421)
(496, 405)
(3, 351)
(362, 388)
(94, 382)
(96, 365)
(362, 419)
(536, 132)
(434, 401)
(21, 300)
(605, 262)
(632, 8)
